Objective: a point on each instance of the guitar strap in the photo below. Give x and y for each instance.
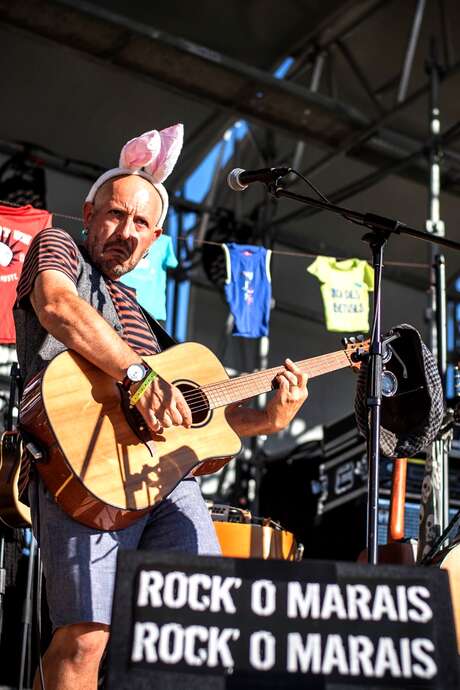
(165, 340)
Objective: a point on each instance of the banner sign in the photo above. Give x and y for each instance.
(270, 624)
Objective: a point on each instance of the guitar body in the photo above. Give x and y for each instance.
(104, 467)
(13, 513)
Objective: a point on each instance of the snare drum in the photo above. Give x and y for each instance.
(241, 535)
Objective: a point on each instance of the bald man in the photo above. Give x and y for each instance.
(70, 297)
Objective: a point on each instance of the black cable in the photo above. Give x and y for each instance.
(311, 185)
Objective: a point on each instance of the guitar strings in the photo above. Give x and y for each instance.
(195, 400)
(220, 386)
(303, 364)
(198, 401)
(223, 387)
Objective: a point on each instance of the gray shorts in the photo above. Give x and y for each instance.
(80, 563)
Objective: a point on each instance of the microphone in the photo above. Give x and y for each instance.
(239, 179)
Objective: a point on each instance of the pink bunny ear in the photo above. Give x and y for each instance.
(141, 151)
(172, 139)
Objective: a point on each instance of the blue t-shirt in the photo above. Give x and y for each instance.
(248, 288)
(149, 277)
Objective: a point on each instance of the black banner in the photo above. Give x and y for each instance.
(185, 622)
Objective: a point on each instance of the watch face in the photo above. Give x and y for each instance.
(136, 372)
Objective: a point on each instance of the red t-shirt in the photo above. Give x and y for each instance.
(18, 226)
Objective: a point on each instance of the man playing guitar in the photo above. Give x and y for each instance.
(70, 298)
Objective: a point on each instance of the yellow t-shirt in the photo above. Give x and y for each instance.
(345, 290)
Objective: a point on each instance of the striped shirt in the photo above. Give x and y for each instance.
(53, 249)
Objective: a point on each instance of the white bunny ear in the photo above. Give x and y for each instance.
(141, 151)
(172, 139)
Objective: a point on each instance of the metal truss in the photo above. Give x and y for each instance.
(235, 89)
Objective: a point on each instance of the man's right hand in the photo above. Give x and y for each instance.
(163, 405)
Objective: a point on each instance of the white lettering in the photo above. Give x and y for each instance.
(384, 604)
(361, 650)
(386, 659)
(401, 596)
(333, 603)
(150, 585)
(334, 656)
(196, 602)
(427, 667)
(193, 656)
(358, 597)
(305, 604)
(218, 646)
(175, 590)
(262, 650)
(171, 645)
(301, 656)
(145, 639)
(221, 598)
(263, 597)
(406, 660)
(416, 596)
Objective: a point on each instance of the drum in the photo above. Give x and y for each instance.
(241, 535)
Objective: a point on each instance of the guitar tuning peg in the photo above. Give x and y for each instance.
(352, 340)
(344, 341)
(360, 338)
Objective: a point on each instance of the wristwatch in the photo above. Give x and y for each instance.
(134, 374)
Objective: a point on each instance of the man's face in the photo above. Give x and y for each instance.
(122, 224)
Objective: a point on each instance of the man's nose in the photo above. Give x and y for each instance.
(126, 228)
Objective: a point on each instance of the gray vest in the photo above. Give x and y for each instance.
(35, 346)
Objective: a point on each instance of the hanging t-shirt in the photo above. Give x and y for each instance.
(149, 277)
(18, 226)
(248, 288)
(345, 290)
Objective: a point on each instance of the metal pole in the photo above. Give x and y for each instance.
(177, 283)
(259, 441)
(410, 52)
(437, 311)
(28, 608)
(314, 86)
(211, 197)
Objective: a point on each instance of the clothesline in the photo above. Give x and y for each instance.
(275, 252)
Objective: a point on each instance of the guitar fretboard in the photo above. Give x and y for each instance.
(249, 385)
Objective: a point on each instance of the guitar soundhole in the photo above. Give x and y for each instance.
(196, 400)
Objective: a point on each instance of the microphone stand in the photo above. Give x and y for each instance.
(381, 228)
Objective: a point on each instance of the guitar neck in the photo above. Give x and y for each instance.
(249, 385)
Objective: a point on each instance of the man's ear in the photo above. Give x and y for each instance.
(88, 212)
(156, 234)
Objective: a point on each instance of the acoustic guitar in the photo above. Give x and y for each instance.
(103, 465)
(13, 513)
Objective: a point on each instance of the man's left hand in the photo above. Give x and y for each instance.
(290, 395)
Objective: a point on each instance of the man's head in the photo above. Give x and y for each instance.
(122, 223)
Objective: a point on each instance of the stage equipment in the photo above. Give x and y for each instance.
(239, 179)
(23, 181)
(242, 535)
(381, 229)
(225, 228)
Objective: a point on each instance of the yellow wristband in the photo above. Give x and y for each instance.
(151, 376)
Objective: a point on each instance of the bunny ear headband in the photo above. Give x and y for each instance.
(152, 156)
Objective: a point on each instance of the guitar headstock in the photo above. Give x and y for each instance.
(356, 348)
